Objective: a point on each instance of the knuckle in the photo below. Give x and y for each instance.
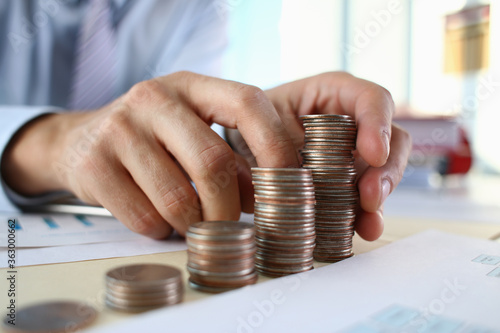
(182, 75)
(376, 92)
(214, 158)
(248, 96)
(92, 173)
(332, 76)
(177, 200)
(184, 79)
(398, 171)
(279, 144)
(150, 90)
(145, 224)
(91, 168)
(385, 95)
(118, 124)
(390, 101)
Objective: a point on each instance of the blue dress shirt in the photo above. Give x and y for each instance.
(37, 44)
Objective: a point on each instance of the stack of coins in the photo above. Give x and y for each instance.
(142, 287)
(284, 220)
(329, 143)
(221, 255)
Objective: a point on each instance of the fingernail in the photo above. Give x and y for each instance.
(386, 189)
(380, 210)
(387, 142)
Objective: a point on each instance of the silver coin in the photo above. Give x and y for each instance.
(221, 257)
(274, 208)
(222, 237)
(329, 142)
(218, 228)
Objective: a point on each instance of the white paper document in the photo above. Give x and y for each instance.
(35, 230)
(430, 282)
(81, 252)
(58, 238)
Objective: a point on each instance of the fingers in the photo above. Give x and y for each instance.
(247, 108)
(372, 107)
(342, 93)
(245, 184)
(126, 201)
(164, 184)
(374, 132)
(369, 225)
(207, 159)
(166, 132)
(377, 183)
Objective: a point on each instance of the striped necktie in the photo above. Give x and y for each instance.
(94, 73)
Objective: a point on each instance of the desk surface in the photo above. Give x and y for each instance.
(84, 281)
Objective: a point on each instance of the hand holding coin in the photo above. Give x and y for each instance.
(382, 147)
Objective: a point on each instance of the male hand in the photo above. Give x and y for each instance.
(136, 156)
(382, 147)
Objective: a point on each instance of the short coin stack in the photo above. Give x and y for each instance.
(329, 142)
(137, 288)
(284, 220)
(221, 255)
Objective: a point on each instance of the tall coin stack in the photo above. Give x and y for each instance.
(221, 255)
(284, 220)
(137, 288)
(329, 143)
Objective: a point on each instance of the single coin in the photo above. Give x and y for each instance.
(144, 289)
(219, 228)
(210, 289)
(143, 275)
(129, 309)
(198, 245)
(52, 317)
(225, 282)
(133, 294)
(235, 238)
(144, 302)
(329, 117)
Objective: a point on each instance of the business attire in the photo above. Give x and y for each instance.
(38, 44)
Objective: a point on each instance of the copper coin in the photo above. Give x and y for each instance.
(52, 317)
(144, 302)
(219, 289)
(147, 294)
(225, 282)
(143, 275)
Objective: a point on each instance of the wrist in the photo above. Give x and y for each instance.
(26, 164)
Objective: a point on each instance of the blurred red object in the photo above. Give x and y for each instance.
(459, 157)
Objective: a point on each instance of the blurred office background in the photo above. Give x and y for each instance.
(440, 59)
